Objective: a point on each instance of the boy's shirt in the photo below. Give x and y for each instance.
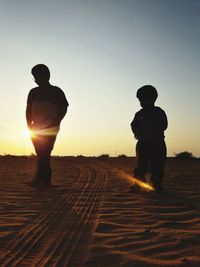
(149, 124)
(46, 107)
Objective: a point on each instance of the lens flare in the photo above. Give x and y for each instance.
(142, 184)
(136, 181)
(52, 131)
(27, 133)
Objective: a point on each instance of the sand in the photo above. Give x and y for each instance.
(89, 217)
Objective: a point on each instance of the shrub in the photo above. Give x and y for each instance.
(122, 156)
(184, 155)
(104, 156)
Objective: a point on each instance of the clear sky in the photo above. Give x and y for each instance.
(100, 52)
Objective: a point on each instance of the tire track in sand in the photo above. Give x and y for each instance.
(56, 237)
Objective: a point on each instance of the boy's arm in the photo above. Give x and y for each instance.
(135, 127)
(28, 112)
(163, 120)
(62, 106)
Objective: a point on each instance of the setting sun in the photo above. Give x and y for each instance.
(27, 133)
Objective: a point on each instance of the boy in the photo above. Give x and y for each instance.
(46, 107)
(148, 127)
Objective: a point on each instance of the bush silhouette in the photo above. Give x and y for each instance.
(122, 156)
(104, 156)
(184, 155)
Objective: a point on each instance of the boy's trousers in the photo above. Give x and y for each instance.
(150, 157)
(43, 146)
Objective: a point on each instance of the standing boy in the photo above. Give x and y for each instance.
(148, 127)
(46, 107)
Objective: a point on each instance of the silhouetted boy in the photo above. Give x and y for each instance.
(46, 107)
(148, 127)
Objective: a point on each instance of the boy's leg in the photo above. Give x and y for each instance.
(43, 147)
(142, 160)
(157, 162)
(44, 167)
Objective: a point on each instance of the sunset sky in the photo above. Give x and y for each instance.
(99, 53)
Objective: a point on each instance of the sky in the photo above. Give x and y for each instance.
(99, 53)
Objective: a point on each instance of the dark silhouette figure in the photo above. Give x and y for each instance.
(148, 127)
(46, 107)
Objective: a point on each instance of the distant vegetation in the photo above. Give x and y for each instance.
(184, 155)
(104, 156)
(122, 156)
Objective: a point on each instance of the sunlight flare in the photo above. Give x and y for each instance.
(52, 131)
(142, 184)
(136, 181)
(27, 133)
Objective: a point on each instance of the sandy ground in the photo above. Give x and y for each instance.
(90, 218)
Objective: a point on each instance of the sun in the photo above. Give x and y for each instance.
(27, 133)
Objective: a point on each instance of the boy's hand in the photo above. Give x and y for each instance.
(136, 137)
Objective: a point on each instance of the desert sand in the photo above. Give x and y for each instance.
(90, 218)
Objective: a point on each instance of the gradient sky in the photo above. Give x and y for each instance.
(100, 52)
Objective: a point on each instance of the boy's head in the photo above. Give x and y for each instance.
(147, 96)
(41, 74)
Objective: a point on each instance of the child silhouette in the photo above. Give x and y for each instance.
(148, 127)
(46, 107)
